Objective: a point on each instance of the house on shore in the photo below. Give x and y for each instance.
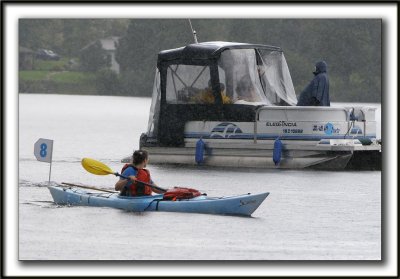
(109, 45)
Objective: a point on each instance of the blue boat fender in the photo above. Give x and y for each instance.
(277, 151)
(200, 147)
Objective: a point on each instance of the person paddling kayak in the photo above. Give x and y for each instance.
(137, 174)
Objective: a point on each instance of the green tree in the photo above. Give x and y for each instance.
(67, 36)
(40, 33)
(137, 51)
(107, 82)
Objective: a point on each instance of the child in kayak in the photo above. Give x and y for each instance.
(137, 174)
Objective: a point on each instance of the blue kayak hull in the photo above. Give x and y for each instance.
(242, 205)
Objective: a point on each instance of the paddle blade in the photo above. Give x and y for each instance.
(96, 167)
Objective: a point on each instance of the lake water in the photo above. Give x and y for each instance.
(309, 215)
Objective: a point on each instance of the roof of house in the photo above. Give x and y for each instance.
(109, 43)
(106, 43)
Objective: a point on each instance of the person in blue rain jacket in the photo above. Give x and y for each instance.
(317, 91)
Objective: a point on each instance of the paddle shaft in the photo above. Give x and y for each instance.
(89, 187)
(150, 185)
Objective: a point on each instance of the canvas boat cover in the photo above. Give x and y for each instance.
(246, 74)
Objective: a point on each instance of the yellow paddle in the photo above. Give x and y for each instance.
(99, 168)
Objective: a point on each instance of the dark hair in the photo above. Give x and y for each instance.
(139, 156)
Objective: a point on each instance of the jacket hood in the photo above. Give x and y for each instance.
(320, 67)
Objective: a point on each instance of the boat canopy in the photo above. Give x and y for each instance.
(218, 75)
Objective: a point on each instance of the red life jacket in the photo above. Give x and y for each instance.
(137, 188)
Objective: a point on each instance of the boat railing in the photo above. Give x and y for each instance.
(361, 118)
(364, 121)
(263, 108)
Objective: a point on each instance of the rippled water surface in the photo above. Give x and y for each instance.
(309, 215)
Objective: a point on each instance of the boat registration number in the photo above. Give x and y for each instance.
(293, 131)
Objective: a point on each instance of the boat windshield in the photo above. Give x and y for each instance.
(188, 84)
(256, 76)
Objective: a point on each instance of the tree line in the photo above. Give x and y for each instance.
(351, 47)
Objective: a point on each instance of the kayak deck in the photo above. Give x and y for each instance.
(242, 205)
